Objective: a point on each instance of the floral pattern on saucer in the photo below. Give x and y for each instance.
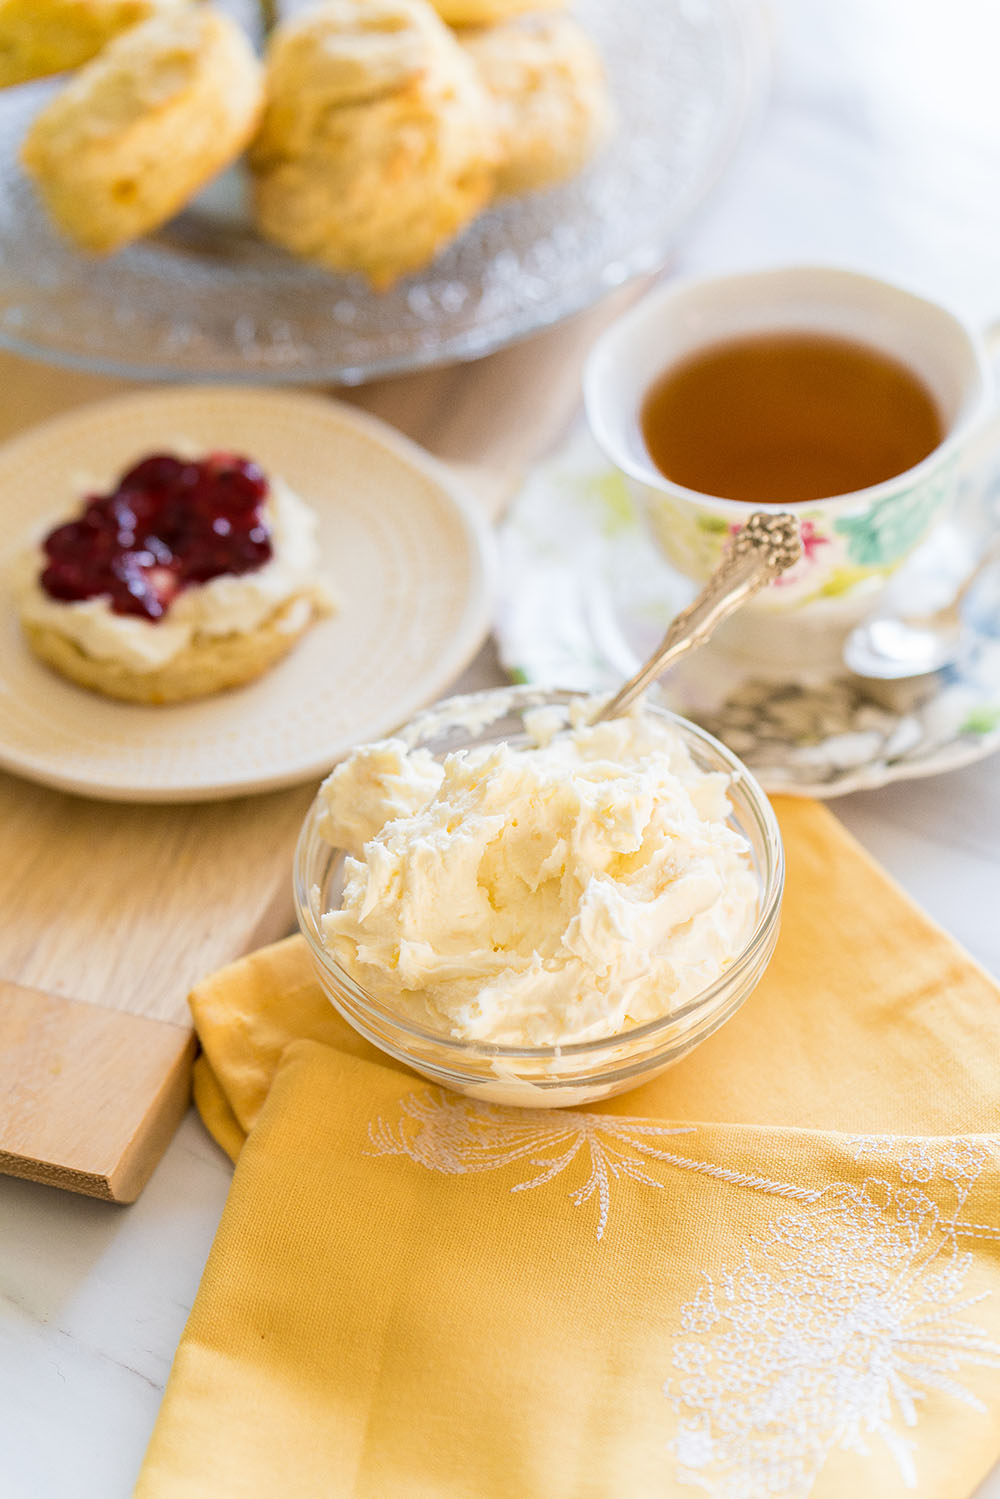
(585, 594)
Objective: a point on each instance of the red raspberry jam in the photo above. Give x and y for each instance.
(170, 523)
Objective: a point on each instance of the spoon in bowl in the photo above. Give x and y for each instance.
(754, 556)
(890, 647)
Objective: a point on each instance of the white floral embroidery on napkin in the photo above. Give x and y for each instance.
(448, 1133)
(455, 1135)
(828, 1334)
(833, 1329)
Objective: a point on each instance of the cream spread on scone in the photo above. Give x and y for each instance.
(231, 603)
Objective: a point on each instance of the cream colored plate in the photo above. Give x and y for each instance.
(408, 560)
(585, 595)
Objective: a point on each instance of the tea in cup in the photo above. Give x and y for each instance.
(842, 398)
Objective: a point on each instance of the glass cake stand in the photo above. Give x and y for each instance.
(205, 297)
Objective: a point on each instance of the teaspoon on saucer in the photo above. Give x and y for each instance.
(890, 647)
(754, 556)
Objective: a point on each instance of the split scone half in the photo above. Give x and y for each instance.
(377, 144)
(206, 665)
(189, 577)
(141, 129)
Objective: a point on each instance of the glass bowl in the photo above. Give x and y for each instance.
(545, 1076)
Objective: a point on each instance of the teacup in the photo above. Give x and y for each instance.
(853, 543)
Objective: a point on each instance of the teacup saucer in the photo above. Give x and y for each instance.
(585, 595)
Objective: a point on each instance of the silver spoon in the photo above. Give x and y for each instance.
(757, 554)
(891, 647)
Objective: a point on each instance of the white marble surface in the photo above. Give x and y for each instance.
(880, 149)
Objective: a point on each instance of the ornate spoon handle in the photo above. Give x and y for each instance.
(765, 547)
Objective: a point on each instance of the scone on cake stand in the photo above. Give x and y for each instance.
(377, 144)
(546, 84)
(189, 577)
(40, 37)
(141, 129)
(376, 131)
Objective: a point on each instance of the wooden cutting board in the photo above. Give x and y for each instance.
(111, 912)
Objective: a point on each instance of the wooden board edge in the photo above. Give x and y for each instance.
(156, 1130)
(124, 1182)
(133, 1073)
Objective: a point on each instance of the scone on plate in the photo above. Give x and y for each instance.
(546, 80)
(377, 144)
(489, 12)
(190, 576)
(38, 37)
(140, 129)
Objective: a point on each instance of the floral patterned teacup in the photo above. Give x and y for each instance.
(853, 543)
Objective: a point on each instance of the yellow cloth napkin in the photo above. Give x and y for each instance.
(773, 1271)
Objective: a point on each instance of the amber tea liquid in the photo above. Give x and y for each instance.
(788, 417)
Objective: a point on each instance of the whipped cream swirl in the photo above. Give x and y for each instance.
(562, 891)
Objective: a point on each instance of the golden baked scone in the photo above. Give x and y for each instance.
(378, 142)
(38, 37)
(186, 576)
(140, 129)
(341, 52)
(547, 84)
(489, 12)
(207, 664)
